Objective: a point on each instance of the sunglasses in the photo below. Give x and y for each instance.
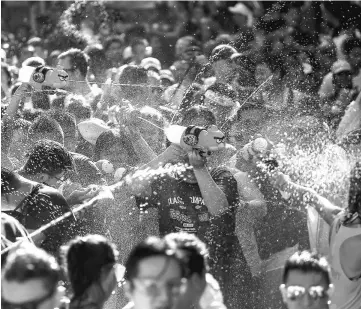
(34, 304)
(296, 293)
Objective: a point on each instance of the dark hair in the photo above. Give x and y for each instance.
(151, 247)
(349, 44)
(46, 125)
(33, 62)
(195, 250)
(113, 39)
(78, 59)
(10, 181)
(354, 195)
(59, 102)
(79, 110)
(197, 111)
(113, 137)
(48, 157)
(83, 259)
(306, 262)
(66, 120)
(40, 100)
(133, 75)
(30, 262)
(22, 124)
(96, 55)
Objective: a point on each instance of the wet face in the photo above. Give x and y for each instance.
(157, 285)
(139, 51)
(306, 280)
(240, 20)
(248, 125)
(223, 68)
(54, 181)
(67, 66)
(343, 79)
(115, 51)
(262, 73)
(34, 291)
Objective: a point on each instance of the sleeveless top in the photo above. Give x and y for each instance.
(347, 293)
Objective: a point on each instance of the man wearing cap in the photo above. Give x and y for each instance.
(335, 103)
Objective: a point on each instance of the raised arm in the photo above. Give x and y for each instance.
(7, 128)
(304, 196)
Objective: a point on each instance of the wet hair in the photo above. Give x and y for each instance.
(45, 125)
(33, 62)
(307, 262)
(354, 195)
(40, 100)
(83, 259)
(66, 120)
(150, 247)
(113, 137)
(48, 157)
(195, 251)
(78, 60)
(29, 262)
(79, 109)
(59, 102)
(10, 181)
(22, 124)
(349, 44)
(197, 111)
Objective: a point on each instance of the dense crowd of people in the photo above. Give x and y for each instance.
(202, 155)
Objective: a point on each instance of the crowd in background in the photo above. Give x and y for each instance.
(280, 79)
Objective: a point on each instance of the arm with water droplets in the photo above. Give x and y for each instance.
(304, 196)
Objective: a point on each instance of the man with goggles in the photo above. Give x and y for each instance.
(306, 282)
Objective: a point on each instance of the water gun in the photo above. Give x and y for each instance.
(205, 140)
(44, 77)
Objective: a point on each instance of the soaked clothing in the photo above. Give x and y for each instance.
(181, 208)
(41, 206)
(347, 293)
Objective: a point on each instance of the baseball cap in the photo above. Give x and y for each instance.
(340, 66)
(222, 52)
(151, 62)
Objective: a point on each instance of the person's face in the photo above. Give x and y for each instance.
(34, 291)
(223, 68)
(110, 278)
(262, 73)
(54, 181)
(327, 58)
(74, 74)
(220, 112)
(115, 51)
(158, 283)
(119, 27)
(248, 125)
(343, 79)
(139, 51)
(196, 285)
(306, 280)
(116, 155)
(355, 57)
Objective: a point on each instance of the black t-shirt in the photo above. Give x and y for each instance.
(40, 207)
(181, 207)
